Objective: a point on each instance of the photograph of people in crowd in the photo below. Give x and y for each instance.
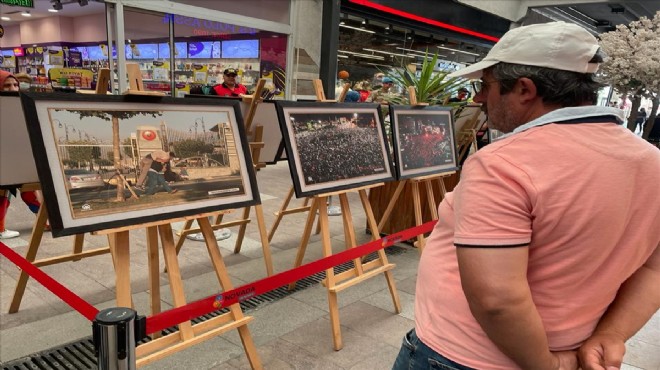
(424, 142)
(337, 148)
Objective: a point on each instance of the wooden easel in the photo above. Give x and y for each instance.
(35, 241)
(188, 334)
(135, 83)
(468, 137)
(320, 96)
(426, 181)
(360, 271)
(257, 142)
(242, 222)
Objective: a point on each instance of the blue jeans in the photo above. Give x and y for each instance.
(415, 355)
(154, 180)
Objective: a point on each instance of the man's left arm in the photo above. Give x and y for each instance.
(495, 284)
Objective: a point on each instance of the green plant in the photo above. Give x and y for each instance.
(431, 87)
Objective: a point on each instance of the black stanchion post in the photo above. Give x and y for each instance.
(115, 332)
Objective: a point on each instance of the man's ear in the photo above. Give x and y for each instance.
(526, 89)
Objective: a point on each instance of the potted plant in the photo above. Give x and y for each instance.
(430, 86)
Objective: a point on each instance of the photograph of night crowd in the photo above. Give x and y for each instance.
(423, 141)
(334, 146)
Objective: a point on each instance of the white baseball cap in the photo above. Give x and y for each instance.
(557, 45)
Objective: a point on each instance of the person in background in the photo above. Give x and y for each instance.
(352, 96)
(24, 80)
(382, 95)
(640, 121)
(539, 251)
(229, 86)
(9, 82)
(462, 95)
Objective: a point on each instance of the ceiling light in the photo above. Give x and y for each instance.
(356, 28)
(5, 18)
(362, 55)
(388, 53)
(26, 14)
(460, 51)
(53, 10)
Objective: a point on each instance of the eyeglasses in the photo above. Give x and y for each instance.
(479, 85)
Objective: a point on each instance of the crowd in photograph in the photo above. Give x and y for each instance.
(424, 144)
(333, 153)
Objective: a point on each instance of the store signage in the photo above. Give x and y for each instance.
(206, 27)
(23, 3)
(19, 52)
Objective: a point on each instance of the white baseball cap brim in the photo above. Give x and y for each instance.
(557, 45)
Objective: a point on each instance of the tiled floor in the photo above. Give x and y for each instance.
(292, 333)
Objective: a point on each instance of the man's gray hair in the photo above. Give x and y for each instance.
(566, 88)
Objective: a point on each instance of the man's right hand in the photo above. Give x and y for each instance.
(602, 351)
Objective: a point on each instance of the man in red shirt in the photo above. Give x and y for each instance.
(229, 87)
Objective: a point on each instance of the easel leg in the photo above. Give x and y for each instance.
(349, 232)
(329, 273)
(122, 269)
(280, 214)
(390, 206)
(78, 241)
(430, 199)
(174, 275)
(225, 284)
(182, 237)
(153, 263)
(381, 253)
(305, 237)
(265, 246)
(241, 230)
(31, 255)
(418, 213)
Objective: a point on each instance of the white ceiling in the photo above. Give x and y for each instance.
(70, 8)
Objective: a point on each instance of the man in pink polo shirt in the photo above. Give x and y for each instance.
(549, 243)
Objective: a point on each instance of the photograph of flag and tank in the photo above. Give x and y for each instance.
(113, 161)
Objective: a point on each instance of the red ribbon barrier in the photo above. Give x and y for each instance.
(215, 302)
(51, 284)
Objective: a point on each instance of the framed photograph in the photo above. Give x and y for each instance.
(424, 141)
(334, 146)
(112, 161)
(468, 117)
(16, 161)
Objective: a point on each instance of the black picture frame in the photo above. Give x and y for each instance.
(225, 178)
(345, 150)
(423, 139)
